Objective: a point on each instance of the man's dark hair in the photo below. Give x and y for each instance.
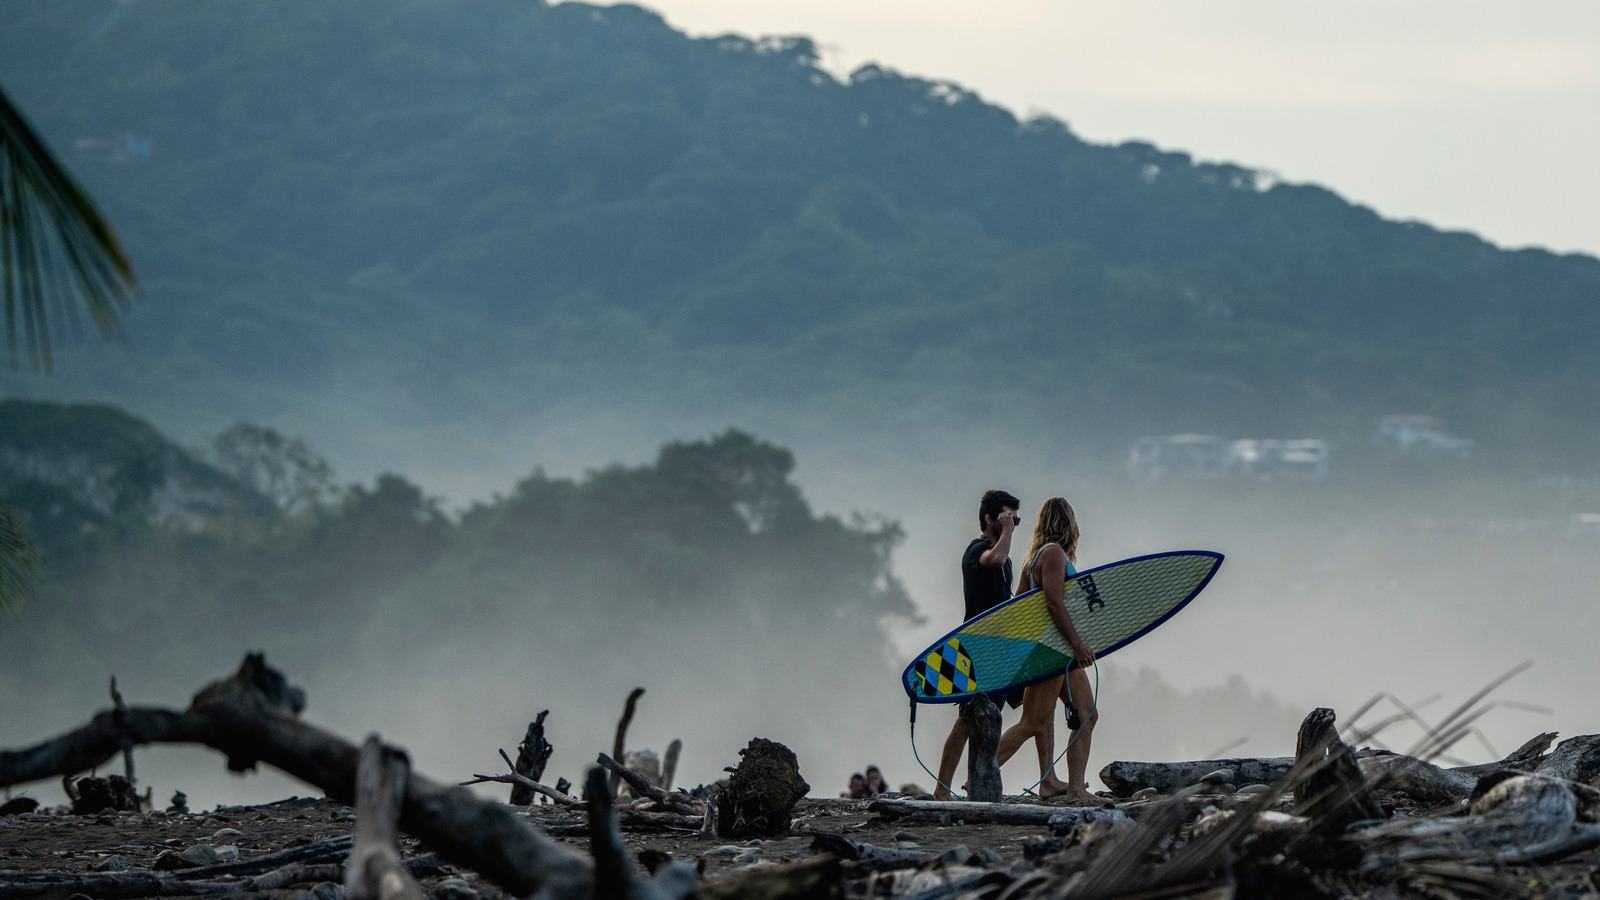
(991, 504)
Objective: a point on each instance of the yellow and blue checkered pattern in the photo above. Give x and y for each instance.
(946, 670)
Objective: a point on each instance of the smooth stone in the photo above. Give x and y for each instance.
(112, 864)
(1254, 789)
(726, 850)
(200, 855)
(227, 853)
(992, 856)
(1224, 775)
(957, 854)
(1148, 793)
(908, 836)
(225, 833)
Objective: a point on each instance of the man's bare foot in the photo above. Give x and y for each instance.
(943, 794)
(1082, 795)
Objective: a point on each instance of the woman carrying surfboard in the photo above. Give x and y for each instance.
(1051, 558)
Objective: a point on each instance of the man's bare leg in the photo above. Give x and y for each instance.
(1038, 704)
(950, 758)
(1078, 753)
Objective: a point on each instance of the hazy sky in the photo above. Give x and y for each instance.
(1474, 115)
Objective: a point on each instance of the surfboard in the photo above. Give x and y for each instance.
(1015, 644)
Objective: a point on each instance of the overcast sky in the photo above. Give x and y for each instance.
(1479, 115)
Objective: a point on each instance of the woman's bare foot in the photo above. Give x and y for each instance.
(1053, 787)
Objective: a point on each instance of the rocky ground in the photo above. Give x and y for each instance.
(58, 843)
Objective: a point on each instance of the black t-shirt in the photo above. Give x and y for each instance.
(985, 587)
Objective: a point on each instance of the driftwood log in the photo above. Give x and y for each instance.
(974, 813)
(533, 754)
(982, 716)
(252, 718)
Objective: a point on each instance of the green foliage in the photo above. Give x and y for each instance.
(584, 203)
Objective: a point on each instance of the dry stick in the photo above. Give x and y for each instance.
(374, 871)
(618, 746)
(560, 797)
(641, 785)
(127, 746)
(250, 718)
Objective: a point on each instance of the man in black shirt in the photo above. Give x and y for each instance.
(986, 583)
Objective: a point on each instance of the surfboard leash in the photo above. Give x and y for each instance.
(1094, 708)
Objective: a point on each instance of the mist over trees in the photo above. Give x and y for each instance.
(531, 204)
(713, 536)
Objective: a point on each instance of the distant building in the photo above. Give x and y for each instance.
(1586, 524)
(1421, 434)
(1178, 456)
(1204, 456)
(1269, 458)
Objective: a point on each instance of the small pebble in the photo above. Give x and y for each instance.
(906, 845)
(225, 833)
(1148, 793)
(454, 889)
(754, 842)
(227, 853)
(726, 850)
(908, 836)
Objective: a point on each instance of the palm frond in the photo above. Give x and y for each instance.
(57, 253)
(17, 561)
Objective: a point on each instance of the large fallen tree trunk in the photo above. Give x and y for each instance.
(1124, 779)
(250, 717)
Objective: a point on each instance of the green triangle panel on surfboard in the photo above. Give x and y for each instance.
(1016, 644)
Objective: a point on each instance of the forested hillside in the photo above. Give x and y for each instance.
(513, 205)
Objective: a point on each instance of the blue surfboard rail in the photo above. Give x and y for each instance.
(905, 674)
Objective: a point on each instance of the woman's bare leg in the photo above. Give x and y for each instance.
(1038, 704)
(1078, 753)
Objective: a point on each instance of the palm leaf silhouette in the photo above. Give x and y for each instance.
(57, 254)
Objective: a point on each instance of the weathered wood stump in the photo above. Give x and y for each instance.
(758, 799)
(983, 749)
(532, 756)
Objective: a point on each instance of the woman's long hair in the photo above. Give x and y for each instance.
(1057, 524)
